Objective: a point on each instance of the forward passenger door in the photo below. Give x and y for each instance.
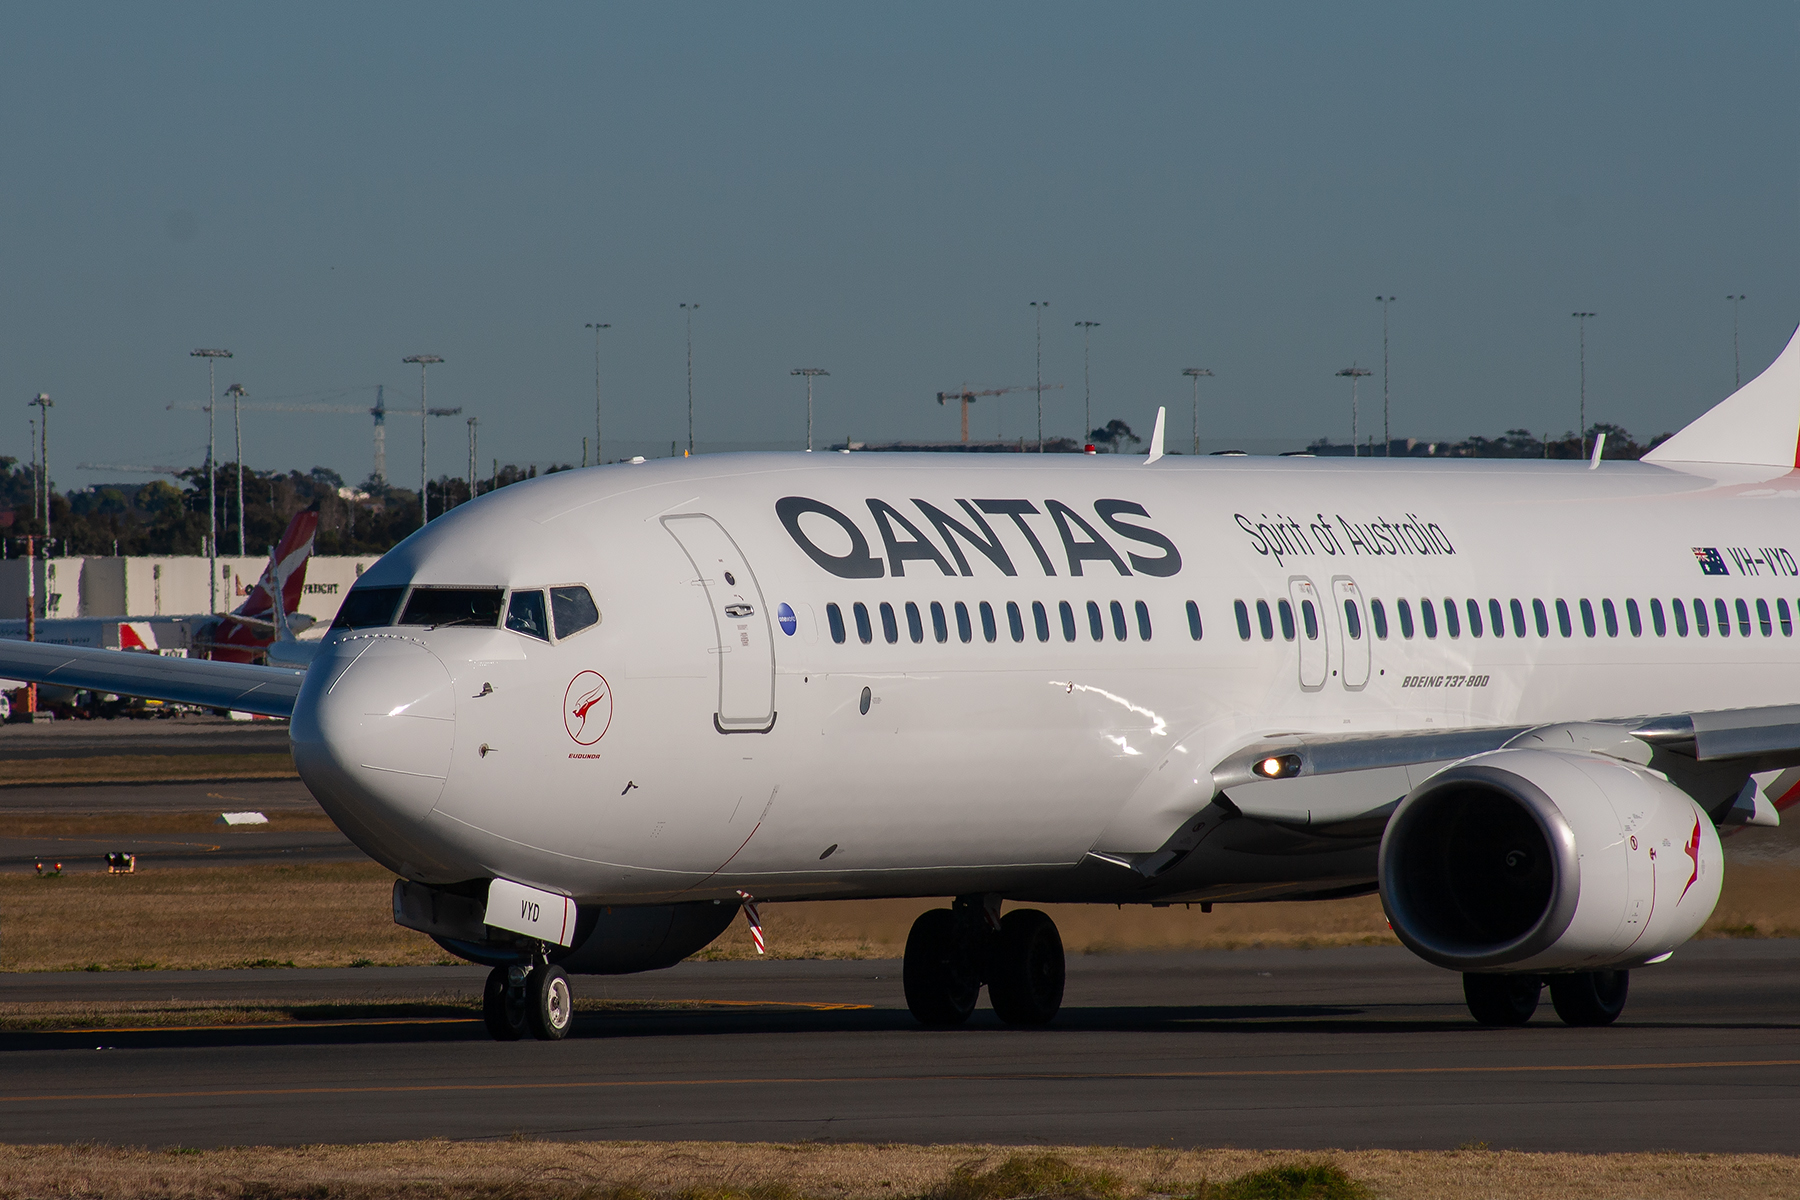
(742, 636)
(1314, 651)
(1353, 625)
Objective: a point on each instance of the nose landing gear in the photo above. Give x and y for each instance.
(527, 999)
(951, 952)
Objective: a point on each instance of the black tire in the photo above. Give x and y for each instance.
(1025, 975)
(549, 1005)
(1590, 997)
(941, 986)
(1502, 999)
(505, 1020)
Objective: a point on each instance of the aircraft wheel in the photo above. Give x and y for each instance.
(1590, 997)
(1502, 999)
(501, 1009)
(941, 985)
(549, 1006)
(1025, 980)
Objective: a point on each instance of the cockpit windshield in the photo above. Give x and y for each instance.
(574, 610)
(368, 606)
(440, 606)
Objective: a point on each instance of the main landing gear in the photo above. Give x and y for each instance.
(952, 951)
(1582, 998)
(527, 999)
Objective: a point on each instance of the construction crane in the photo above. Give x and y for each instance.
(968, 396)
(380, 412)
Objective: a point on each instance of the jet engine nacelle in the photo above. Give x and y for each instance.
(1539, 860)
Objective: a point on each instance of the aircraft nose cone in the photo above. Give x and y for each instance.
(374, 727)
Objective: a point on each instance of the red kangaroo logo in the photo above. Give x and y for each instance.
(587, 708)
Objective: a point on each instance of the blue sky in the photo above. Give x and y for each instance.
(880, 192)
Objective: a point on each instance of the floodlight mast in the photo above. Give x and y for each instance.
(1355, 374)
(1087, 388)
(1197, 374)
(809, 372)
(1387, 439)
(596, 326)
(689, 308)
(425, 415)
(1737, 368)
(237, 393)
(1581, 323)
(212, 499)
(42, 400)
(1038, 307)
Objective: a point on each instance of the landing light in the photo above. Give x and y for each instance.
(1278, 766)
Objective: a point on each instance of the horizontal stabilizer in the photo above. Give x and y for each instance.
(269, 691)
(1757, 425)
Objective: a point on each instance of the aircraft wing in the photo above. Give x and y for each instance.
(269, 691)
(1354, 780)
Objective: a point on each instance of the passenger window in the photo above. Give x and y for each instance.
(1474, 619)
(1497, 618)
(1787, 621)
(573, 610)
(1309, 618)
(861, 613)
(1633, 620)
(1237, 606)
(1541, 617)
(1067, 613)
(1428, 618)
(1562, 619)
(1265, 621)
(1700, 625)
(1657, 621)
(1041, 620)
(1015, 622)
(1518, 616)
(1143, 620)
(915, 625)
(1118, 616)
(1378, 618)
(1680, 610)
(890, 628)
(989, 630)
(1587, 617)
(1193, 614)
(1097, 623)
(1285, 611)
(963, 632)
(940, 628)
(1352, 620)
(444, 606)
(1405, 611)
(1724, 617)
(1452, 622)
(1612, 618)
(834, 616)
(525, 614)
(1762, 618)
(367, 607)
(1743, 612)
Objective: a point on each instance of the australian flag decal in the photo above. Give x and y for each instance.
(1710, 562)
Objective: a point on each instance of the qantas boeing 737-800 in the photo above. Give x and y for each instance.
(587, 718)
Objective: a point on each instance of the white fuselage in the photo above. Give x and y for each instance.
(737, 750)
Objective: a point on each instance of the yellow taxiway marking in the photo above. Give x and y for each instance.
(650, 1006)
(765, 1081)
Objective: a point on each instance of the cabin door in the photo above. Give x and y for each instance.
(741, 635)
(1353, 624)
(1313, 647)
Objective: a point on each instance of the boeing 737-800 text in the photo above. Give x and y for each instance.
(585, 719)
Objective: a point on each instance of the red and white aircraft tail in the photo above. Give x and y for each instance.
(265, 615)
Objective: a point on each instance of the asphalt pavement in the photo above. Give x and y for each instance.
(1263, 1048)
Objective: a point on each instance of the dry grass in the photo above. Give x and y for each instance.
(146, 768)
(123, 824)
(314, 915)
(340, 915)
(440, 1170)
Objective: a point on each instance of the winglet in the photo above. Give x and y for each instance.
(1156, 437)
(1758, 425)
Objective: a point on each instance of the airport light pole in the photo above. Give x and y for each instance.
(1356, 374)
(425, 415)
(596, 326)
(1087, 390)
(809, 372)
(1581, 323)
(1737, 370)
(212, 499)
(472, 423)
(237, 393)
(42, 400)
(1196, 373)
(1038, 307)
(1387, 439)
(689, 310)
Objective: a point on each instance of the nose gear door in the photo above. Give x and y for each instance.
(743, 637)
(1353, 624)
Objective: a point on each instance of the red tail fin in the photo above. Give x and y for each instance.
(286, 570)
